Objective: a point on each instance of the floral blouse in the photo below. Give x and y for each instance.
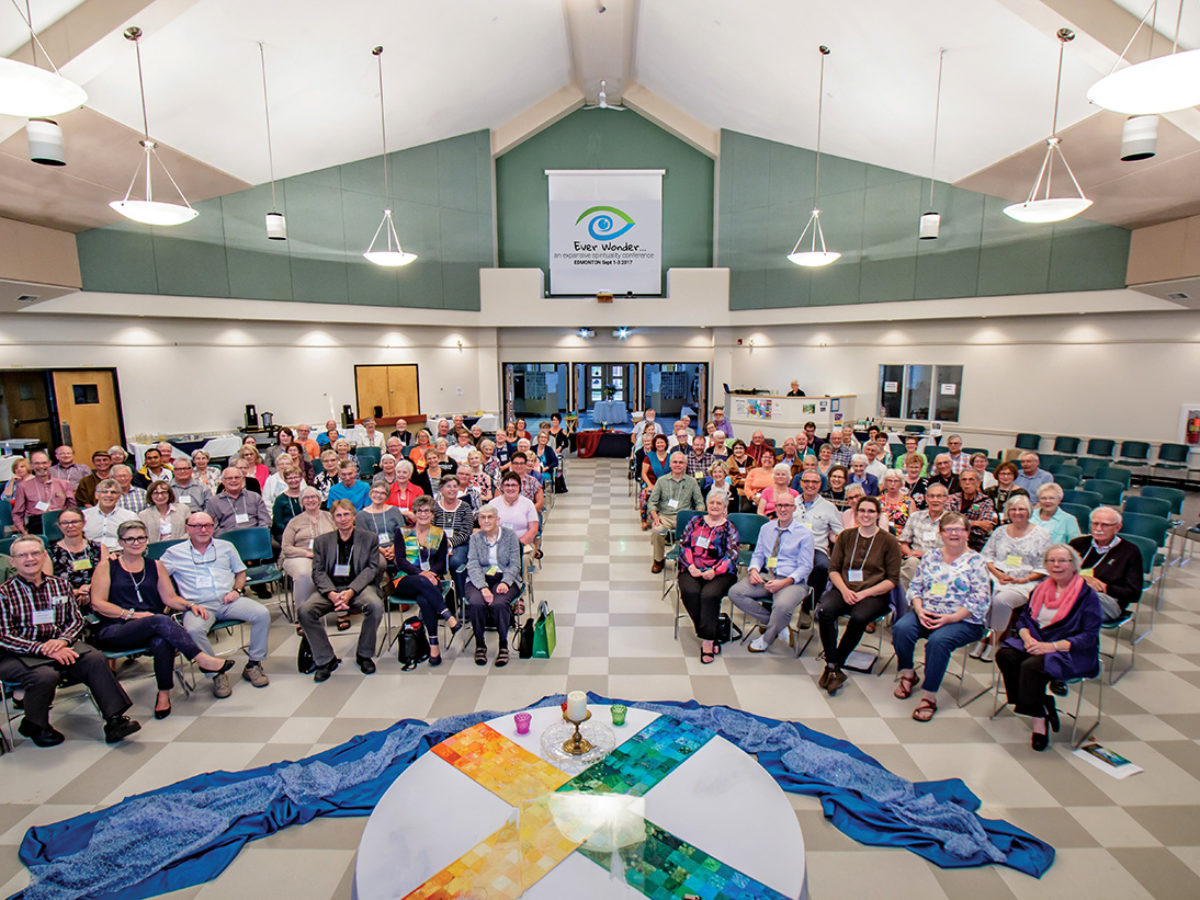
(1018, 557)
(77, 568)
(720, 550)
(898, 511)
(946, 587)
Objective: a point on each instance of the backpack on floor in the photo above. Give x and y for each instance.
(726, 629)
(413, 644)
(304, 657)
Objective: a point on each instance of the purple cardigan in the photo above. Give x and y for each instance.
(1081, 627)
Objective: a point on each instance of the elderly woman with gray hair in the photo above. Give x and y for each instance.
(1013, 555)
(1063, 526)
(708, 560)
(297, 541)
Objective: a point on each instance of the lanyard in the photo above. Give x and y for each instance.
(1095, 549)
(854, 552)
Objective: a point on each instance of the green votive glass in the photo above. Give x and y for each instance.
(618, 713)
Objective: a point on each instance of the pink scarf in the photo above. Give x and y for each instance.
(1047, 594)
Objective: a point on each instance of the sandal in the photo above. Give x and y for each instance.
(343, 623)
(870, 629)
(501, 657)
(481, 655)
(904, 690)
(707, 656)
(925, 710)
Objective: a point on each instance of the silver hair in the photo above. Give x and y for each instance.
(1050, 488)
(859, 457)
(1076, 560)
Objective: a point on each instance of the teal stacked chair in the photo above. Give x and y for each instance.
(1092, 466)
(1026, 441)
(897, 451)
(1150, 506)
(1101, 447)
(50, 530)
(1172, 459)
(1175, 497)
(255, 544)
(1134, 454)
(5, 517)
(1069, 469)
(1155, 529)
(1116, 473)
(1110, 492)
(933, 452)
(1090, 499)
(672, 556)
(1051, 461)
(748, 526)
(156, 549)
(1068, 445)
(6, 543)
(1066, 482)
(1149, 555)
(368, 460)
(1082, 514)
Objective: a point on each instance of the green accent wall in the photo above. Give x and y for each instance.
(870, 215)
(604, 139)
(441, 199)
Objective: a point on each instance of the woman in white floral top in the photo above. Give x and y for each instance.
(948, 599)
(1013, 555)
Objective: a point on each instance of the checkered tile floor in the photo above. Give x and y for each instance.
(1128, 839)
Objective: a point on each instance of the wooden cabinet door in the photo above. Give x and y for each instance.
(87, 410)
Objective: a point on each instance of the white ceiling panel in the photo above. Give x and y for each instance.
(14, 33)
(449, 68)
(753, 68)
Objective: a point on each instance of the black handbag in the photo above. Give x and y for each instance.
(525, 640)
(413, 645)
(726, 629)
(304, 657)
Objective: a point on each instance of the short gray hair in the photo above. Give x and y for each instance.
(1112, 509)
(1050, 488)
(859, 458)
(1076, 560)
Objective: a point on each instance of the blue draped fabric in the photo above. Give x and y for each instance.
(187, 833)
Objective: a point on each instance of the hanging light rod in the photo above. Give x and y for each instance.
(1159, 85)
(150, 211)
(392, 254)
(1035, 210)
(930, 223)
(812, 257)
(276, 221)
(30, 92)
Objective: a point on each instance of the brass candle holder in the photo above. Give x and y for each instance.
(576, 744)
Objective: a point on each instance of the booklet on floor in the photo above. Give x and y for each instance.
(1106, 760)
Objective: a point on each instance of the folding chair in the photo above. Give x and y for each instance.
(1078, 684)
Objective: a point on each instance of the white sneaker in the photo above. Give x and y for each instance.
(758, 645)
(989, 654)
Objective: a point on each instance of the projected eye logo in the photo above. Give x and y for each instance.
(606, 223)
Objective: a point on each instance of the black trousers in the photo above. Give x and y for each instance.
(41, 681)
(702, 600)
(1025, 680)
(477, 610)
(818, 578)
(832, 607)
(429, 599)
(162, 634)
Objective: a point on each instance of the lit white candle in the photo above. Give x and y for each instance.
(576, 706)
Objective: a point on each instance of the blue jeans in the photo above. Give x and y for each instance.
(940, 643)
(458, 558)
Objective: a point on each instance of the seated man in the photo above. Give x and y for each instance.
(1111, 566)
(1032, 476)
(66, 468)
(699, 460)
(648, 425)
(236, 507)
(922, 532)
(873, 451)
(38, 495)
(943, 474)
(85, 490)
(100, 522)
(783, 558)
(720, 423)
(674, 491)
(210, 574)
(132, 498)
(958, 460)
(462, 446)
(346, 567)
(822, 518)
(842, 454)
(307, 444)
(794, 390)
(349, 487)
(760, 451)
(859, 476)
(188, 490)
(401, 432)
(154, 470)
(40, 627)
(330, 435)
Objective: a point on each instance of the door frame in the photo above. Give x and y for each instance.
(357, 366)
(506, 411)
(705, 387)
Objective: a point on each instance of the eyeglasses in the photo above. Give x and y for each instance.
(32, 554)
(954, 530)
(141, 539)
(200, 525)
(1104, 524)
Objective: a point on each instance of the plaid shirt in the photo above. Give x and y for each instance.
(842, 455)
(20, 601)
(134, 501)
(699, 465)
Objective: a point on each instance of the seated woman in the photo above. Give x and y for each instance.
(915, 483)
(131, 596)
(855, 493)
(1063, 526)
(404, 492)
(1006, 474)
(455, 515)
(1055, 637)
(297, 541)
(836, 492)
(420, 568)
(75, 558)
(1014, 557)
(976, 506)
(824, 460)
(383, 519)
(864, 566)
(479, 484)
(493, 572)
(781, 477)
(328, 476)
(708, 559)
(758, 479)
(208, 476)
(718, 446)
(718, 478)
(897, 505)
(948, 602)
(656, 464)
(560, 438)
(163, 517)
(20, 472)
(259, 469)
(547, 459)
(979, 462)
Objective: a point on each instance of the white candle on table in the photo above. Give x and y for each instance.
(576, 706)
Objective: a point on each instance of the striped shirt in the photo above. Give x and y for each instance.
(20, 603)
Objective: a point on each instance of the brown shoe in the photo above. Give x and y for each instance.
(835, 680)
(658, 566)
(254, 674)
(823, 681)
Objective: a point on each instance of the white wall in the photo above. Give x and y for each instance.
(196, 375)
(1100, 375)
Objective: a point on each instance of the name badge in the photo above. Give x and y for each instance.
(809, 526)
(341, 570)
(42, 506)
(43, 617)
(937, 590)
(310, 543)
(185, 498)
(855, 575)
(673, 504)
(81, 565)
(772, 562)
(703, 543)
(385, 539)
(424, 565)
(1088, 573)
(492, 570)
(164, 527)
(241, 518)
(1012, 560)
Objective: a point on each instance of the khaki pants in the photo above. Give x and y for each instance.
(658, 535)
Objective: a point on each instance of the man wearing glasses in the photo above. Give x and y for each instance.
(40, 625)
(1111, 566)
(209, 573)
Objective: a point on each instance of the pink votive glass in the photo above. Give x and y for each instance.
(522, 719)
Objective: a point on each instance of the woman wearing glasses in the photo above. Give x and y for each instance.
(421, 566)
(131, 598)
(948, 601)
(75, 558)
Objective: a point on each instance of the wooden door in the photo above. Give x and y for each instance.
(88, 412)
(393, 388)
(26, 405)
(403, 393)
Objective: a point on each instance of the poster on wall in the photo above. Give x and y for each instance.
(605, 231)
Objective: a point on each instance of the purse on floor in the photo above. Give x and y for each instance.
(304, 657)
(413, 645)
(525, 640)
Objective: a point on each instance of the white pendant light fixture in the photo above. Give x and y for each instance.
(149, 211)
(391, 254)
(30, 92)
(276, 222)
(931, 222)
(1157, 85)
(1037, 210)
(1139, 138)
(45, 138)
(812, 257)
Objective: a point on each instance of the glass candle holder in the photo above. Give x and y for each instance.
(618, 713)
(522, 719)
